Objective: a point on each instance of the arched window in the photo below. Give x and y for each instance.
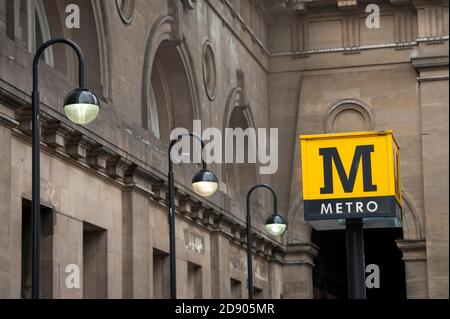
(241, 176)
(34, 27)
(169, 102)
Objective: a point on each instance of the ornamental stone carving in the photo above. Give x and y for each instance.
(126, 10)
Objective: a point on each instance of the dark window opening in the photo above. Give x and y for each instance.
(46, 252)
(194, 281)
(10, 19)
(381, 249)
(236, 289)
(161, 274)
(258, 293)
(95, 274)
(330, 271)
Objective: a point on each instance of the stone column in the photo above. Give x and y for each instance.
(67, 250)
(5, 206)
(220, 279)
(137, 259)
(415, 259)
(298, 265)
(182, 277)
(434, 100)
(276, 277)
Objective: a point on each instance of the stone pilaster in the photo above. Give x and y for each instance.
(276, 275)
(433, 91)
(298, 266)
(220, 282)
(67, 250)
(137, 254)
(5, 207)
(415, 259)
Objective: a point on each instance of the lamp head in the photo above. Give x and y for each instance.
(205, 183)
(275, 225)
(81, 106)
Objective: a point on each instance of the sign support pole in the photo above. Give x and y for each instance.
(355, 259)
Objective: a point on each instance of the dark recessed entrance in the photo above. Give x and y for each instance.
(330, 272)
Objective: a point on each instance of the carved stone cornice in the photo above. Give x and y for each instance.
(186, 205)
(276, 255)
(237, 232)
(301, 253)
(266, 249)
(258, 243)
(189, 4)
(400, 2)
(429, 62)
(419, 4)
(347, 4)
(77, 145)
(69, 144)
(199, 212)
(255, 240)
(12, 100)
(136, 176)
(298, 5)
(412, 250)
(9, 122)
(211, 218)
(234, 230)
(116, 166)
(97, 156)
(25, 122)
(159, 190)
(55, 133)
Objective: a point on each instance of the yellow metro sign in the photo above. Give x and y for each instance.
(350, 175)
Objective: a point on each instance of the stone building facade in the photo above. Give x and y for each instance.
(302, 66)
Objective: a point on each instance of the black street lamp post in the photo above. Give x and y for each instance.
(275, 225)
(81, 106)
(204, 183)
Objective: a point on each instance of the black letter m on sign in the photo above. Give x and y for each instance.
(362, 153)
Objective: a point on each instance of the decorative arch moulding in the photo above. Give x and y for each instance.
(349, 105)
(189, 4)
(209, 70)
(125, 9)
